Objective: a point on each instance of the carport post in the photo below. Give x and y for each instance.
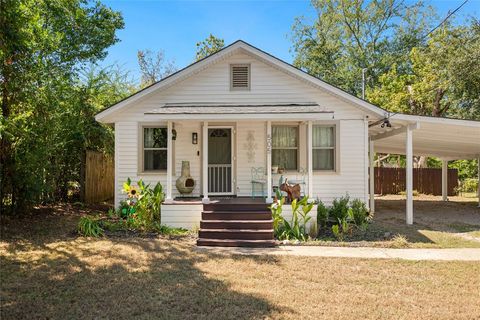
(409, 174)
(372, 176)
(445, 180)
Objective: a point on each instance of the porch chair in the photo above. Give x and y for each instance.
(258, 179)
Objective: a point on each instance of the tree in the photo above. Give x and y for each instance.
(153, 66)
(349, 36)
(443, 79)
(209, 46)
(43, 46)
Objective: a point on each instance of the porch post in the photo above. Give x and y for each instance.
(372, 176)
(269, 162)
(310, 159)
(409, 175)
(168, 198)
(445, 180)
(205, 162)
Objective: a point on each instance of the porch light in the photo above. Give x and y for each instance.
(174, 134)
(194, 138)
(386, 123)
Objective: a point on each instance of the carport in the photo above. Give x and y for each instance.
(444, 138)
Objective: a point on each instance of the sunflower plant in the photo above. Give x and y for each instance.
(143, 204)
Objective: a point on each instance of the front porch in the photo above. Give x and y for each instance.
(238, 154)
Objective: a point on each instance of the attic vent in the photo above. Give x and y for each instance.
(240, 77)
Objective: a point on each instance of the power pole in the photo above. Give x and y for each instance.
(363, 82)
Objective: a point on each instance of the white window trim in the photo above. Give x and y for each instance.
(249, 76)
(142, 150)
(297, 126)
(336, 154)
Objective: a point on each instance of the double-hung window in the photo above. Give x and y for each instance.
(323, 147)
(154, 148)
(285, 147)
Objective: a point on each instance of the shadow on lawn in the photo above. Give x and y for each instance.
(103, 279)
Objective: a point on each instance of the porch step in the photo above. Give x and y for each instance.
(237, 207)
(236, 224)
(236, 215)
(236, 234)
(230, 224)
(236, 243)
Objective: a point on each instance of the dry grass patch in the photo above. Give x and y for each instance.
(155, 278)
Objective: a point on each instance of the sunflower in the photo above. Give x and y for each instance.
(133, 192)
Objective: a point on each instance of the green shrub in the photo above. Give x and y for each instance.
(469, 185)
(359, 212)
(89, 227)
(339, 209)
(322, 215)
(342, 217)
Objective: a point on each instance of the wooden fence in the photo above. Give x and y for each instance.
(99, 177)
(425, 180)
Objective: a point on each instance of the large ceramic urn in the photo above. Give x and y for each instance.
(185, 184)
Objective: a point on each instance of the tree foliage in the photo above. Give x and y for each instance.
(153, 66)
(443, 79)
(209, 46)
(47, 107)
(349, 36)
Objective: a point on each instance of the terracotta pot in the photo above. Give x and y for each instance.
(185, 183)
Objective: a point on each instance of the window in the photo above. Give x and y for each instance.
(154, 149)
(285, 147)
(323, 147)
(240, 77)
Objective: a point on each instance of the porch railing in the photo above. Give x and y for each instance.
(219, 179)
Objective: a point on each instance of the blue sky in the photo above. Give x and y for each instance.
(176, 26)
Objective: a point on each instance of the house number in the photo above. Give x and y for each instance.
(269, 143)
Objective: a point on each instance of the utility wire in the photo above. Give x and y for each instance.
(450, 13)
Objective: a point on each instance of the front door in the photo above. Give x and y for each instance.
(220, 181)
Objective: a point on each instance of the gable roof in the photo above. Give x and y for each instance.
(257, 53)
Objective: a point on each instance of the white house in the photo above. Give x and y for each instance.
(242, 108)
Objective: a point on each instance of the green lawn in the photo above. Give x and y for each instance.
(48, 272)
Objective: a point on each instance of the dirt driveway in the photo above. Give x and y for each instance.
(457, 213)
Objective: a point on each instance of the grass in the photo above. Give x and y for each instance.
(157, 278)
(47, 271)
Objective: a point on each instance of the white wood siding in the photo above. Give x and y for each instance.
(182, 216)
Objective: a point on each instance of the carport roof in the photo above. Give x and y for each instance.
(444, 138)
